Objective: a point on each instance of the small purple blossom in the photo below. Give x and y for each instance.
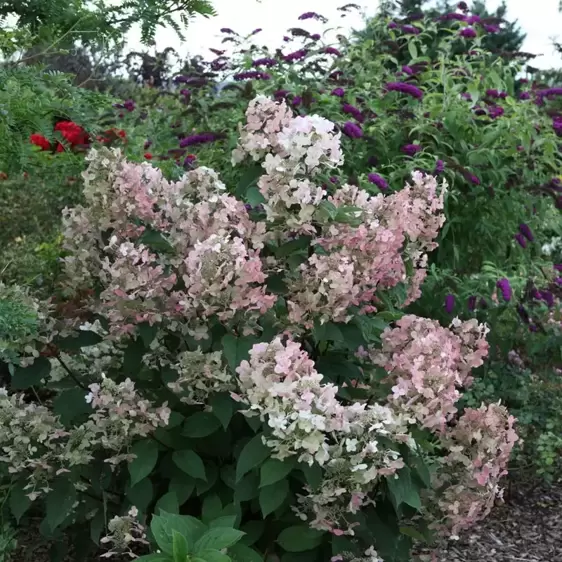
(315, 36)
(147, 144)
(392, 25)
(526, 232)
(354, 111)
(312, 16)
(266, 61)
(252, 75)
(279, 94)
(472, 303)
(332, 51)
(408, 70)
(378, 180)
(449, 303)
(296, 55)
(472, 178)
(352, 130)
(297, 100)
(505, 288)
(463, 6)
(411, 149)
(228, 31)
(495, 111)
(410, 29)
(523, 314)
(496, 94)
(524, 96)
(339, 92)
(189, 161)
(198, 138)
(404, 88)
(557, 266)
(129, 105)
(473, 19)
(256, 31)
(492, 28)
(467, 32)
(520, 240)
(452, 16)
(439, 167)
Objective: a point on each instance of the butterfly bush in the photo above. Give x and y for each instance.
(158, 268)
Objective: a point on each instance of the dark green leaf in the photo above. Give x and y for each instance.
(252, 455)
(211, 509)
(158, 557)
(217, 538)
(223, 407)
(168, 503)
(224, 521)
(274, 470)
(19, 502)
(242, 553)
(155, 241)
(83, 339)
(254, 530)
(140, 495)
(312, 475)
(201, 424)
(273, 496)
(24, 377)
(147, 332)
(70, 404)
(299, 538)
(146, 452)
(301, 243)
(236, 349)
(403, 490)
(182, 486)
(190, 462)
(213, 556)
(59, 502)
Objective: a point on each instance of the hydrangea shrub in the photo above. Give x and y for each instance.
(242, 376)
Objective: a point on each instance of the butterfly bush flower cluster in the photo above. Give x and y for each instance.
(281, 384)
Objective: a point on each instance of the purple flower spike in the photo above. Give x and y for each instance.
(392, 25)
(266, 61)
(524, 96)
(315, 36)
(296, 55)
(352, 130)
(354, 111)
(467, 33)
(404, 88)
(252, 75)
(339, 92)
(408, 70)
(491, 28)
(379, 181)
(411, 149)
(439, 167)
(199, 138)
(410, 29)
(471, 303)
(526, 232)
(449, 304)
(521, 240)
(505, 289)
(473, 19)
(332, 51)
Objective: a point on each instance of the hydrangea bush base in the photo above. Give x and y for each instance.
(250, 361)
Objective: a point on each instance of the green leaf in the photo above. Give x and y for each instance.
(140, 495)
(59, 502)
(211, 509)
(242, 553)
(146, 452)
(412, 532)
(249, 178)
(168, 503)
(19, 502)
(224, 521)
(157, 557)
(273, 496)
(83, 339)
(217, 538)
(201, 424)
(147, 332)
(155, 241)
(24, 377)
(182, 486)
(236, 349)
(254, 530)
(403, 490)
(163, 525)
(190, 462)
(274, 470)
(97, 525)
(213, 556)
(222, 406)
(254, 196)
(300, 243)
(180, 549)
(299, 538)
(251, 456)
(312, 475)
(70, 404)
(248, 488)
(412, 50)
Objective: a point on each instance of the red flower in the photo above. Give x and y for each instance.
(60, 147)
(72, 132)
(3, 176)
(40, 140)
(148, 155)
